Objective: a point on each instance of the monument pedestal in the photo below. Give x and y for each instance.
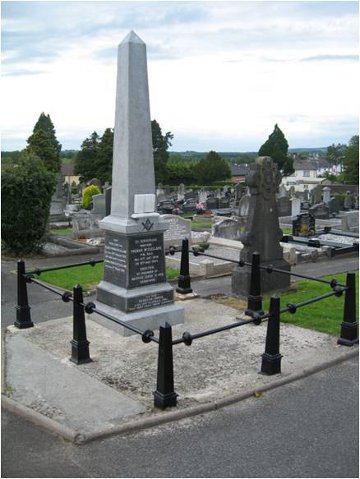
(273, 282)
(134, 288)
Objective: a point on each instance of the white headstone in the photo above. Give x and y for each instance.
(295, 206)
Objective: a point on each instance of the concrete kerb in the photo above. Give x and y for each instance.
(174, 415)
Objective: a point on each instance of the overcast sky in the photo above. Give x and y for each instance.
(221, 74)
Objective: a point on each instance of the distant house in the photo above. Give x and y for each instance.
(68, 172)
(307, 174)
(238, 172)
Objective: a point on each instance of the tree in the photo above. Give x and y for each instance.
(24, 216)
(181, 171)
(335, 154)
(160, 150)
(104, 157)
(351, 161)
(44, 144)
(85, 160)
(212, 168)
(277, 147)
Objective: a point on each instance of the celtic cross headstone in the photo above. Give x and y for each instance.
(262, 233)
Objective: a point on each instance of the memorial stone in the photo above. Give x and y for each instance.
(212, 203)
(348, 202)
(304, 225)
(244, 205)
(326, 194)
(320, 211)
(224, 202)
(179, 229)
(350, 222)
(333, 206)
(295, 206)
(134, 288)
(284, 206)
(98, 205)
(96, 182)
(262, 233)
(108, 201)
(227, 228)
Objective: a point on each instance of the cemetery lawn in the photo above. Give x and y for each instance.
(61, 231)
(87, 276)
(324, 316)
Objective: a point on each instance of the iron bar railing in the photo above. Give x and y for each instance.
(91, 262)
(165, 396)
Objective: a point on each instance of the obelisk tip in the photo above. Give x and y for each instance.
(132, 38)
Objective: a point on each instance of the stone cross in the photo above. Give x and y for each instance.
(263, 233)
(134, 288)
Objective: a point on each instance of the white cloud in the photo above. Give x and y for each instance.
(220, 73)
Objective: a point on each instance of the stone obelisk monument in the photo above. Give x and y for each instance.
(134, 288)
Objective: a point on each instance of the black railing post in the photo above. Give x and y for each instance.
(23, 317)
(79, 343)
(271, 359)
(184, 285)
(165, 396)
(254, 297)
(349, 326)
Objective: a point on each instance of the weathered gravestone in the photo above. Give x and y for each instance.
(263, 233)
(224, 202)
(179, 229)
(320, 211)
(326, 194)
(57, 201)
(348, 201)
(284, 206)
(98, 205)
(134, 288)
(212, 203)
(304, 225)
(295, 206)
(333, 206)
(350, 222)
(96, 182)
(244, 206)
(228, 228)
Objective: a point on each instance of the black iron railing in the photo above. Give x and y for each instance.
(165, 395)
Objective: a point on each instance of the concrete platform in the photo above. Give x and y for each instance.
(113, 393)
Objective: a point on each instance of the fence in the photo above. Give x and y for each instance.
(165, 395)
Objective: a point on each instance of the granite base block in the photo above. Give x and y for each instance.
(143, 320)
(270, 282)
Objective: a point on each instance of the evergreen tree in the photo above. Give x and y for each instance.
(277, 147)
(351, 161)
(160, 149)
(212, 168)
(44, 144)
(85, 161)
(103, 162)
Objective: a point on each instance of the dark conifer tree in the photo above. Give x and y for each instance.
(277, 147)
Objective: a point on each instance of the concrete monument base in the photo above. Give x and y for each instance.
(143, 320)
(241, 278)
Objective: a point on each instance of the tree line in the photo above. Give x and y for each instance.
(95, 160)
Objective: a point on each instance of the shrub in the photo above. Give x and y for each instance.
(26, 190)
(88, 193)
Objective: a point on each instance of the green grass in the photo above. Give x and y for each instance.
(201, 224)
(287, 231)
(87, 276)
(61, 231)
(324, 316)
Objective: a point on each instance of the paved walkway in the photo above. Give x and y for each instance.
(113, 393)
